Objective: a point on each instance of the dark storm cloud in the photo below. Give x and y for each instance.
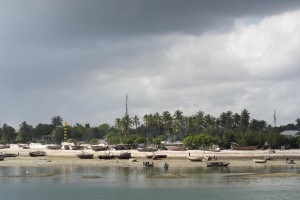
(78, 58)
(90, 19)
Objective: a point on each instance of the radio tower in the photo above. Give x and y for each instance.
(274, 116)
(126, 101)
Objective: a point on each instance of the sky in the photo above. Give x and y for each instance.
(78, 59)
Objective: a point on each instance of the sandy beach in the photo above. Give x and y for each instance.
(174, 158)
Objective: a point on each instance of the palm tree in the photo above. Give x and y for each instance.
(57, 121)
(167, 121)
(136, 121)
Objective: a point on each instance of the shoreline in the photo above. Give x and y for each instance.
(174, 158)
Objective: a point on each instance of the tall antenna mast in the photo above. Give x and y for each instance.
(274, 116)
(126, 104)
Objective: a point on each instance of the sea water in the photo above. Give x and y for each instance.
(126, 183)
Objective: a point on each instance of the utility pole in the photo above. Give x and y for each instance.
(274, 116)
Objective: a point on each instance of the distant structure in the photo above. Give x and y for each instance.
(126, 104)
(274, 116)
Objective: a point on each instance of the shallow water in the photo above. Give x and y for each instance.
(124, 183)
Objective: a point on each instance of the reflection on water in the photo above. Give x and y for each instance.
(67, 182)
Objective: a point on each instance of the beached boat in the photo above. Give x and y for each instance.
(77, 147)
(147, 149)
(107, 156)
(175, 148)
(4, 146)
(260, 160)
(160, 156)
(217, 164)
(125, 155)
(156, 156)
(2, 157)
(37, 153)
(11, 154)
(85, 155)
(99, 148)
(54, 147)
(148, 164)
(195, 158)
(233, 147)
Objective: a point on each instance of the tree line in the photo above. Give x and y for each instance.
(228, 128)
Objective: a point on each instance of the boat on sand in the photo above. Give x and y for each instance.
(37, 153)
(85, 155)
(217, 164)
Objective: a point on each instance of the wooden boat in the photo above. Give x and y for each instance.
(106, 156)
(195, 158)
(54, 147)
(175, 148)
(160, 156)
(217, 164)
(37, 153)
(260, 160)
(85, 156)
(11, 154)
(2, 157)
(4, 146)
(99, 148)
(148, 164)
(156, 156)
(125, 155)
(77, 147)
(244, 148)
(147, 149)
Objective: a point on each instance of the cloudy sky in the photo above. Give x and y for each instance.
(78, 59)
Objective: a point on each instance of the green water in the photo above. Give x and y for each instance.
(113, 183)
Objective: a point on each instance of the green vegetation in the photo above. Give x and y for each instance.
(196, 131)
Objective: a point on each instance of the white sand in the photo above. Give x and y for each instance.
(174, 158)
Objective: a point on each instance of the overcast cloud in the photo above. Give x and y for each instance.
(78, 59)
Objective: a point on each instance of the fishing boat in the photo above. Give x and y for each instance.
(195, 158)
(37, 153)
(2, 157)
(125, 155)
(260, 160)
(85, 155)
(217, 164)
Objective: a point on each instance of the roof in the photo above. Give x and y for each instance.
(291, 133)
